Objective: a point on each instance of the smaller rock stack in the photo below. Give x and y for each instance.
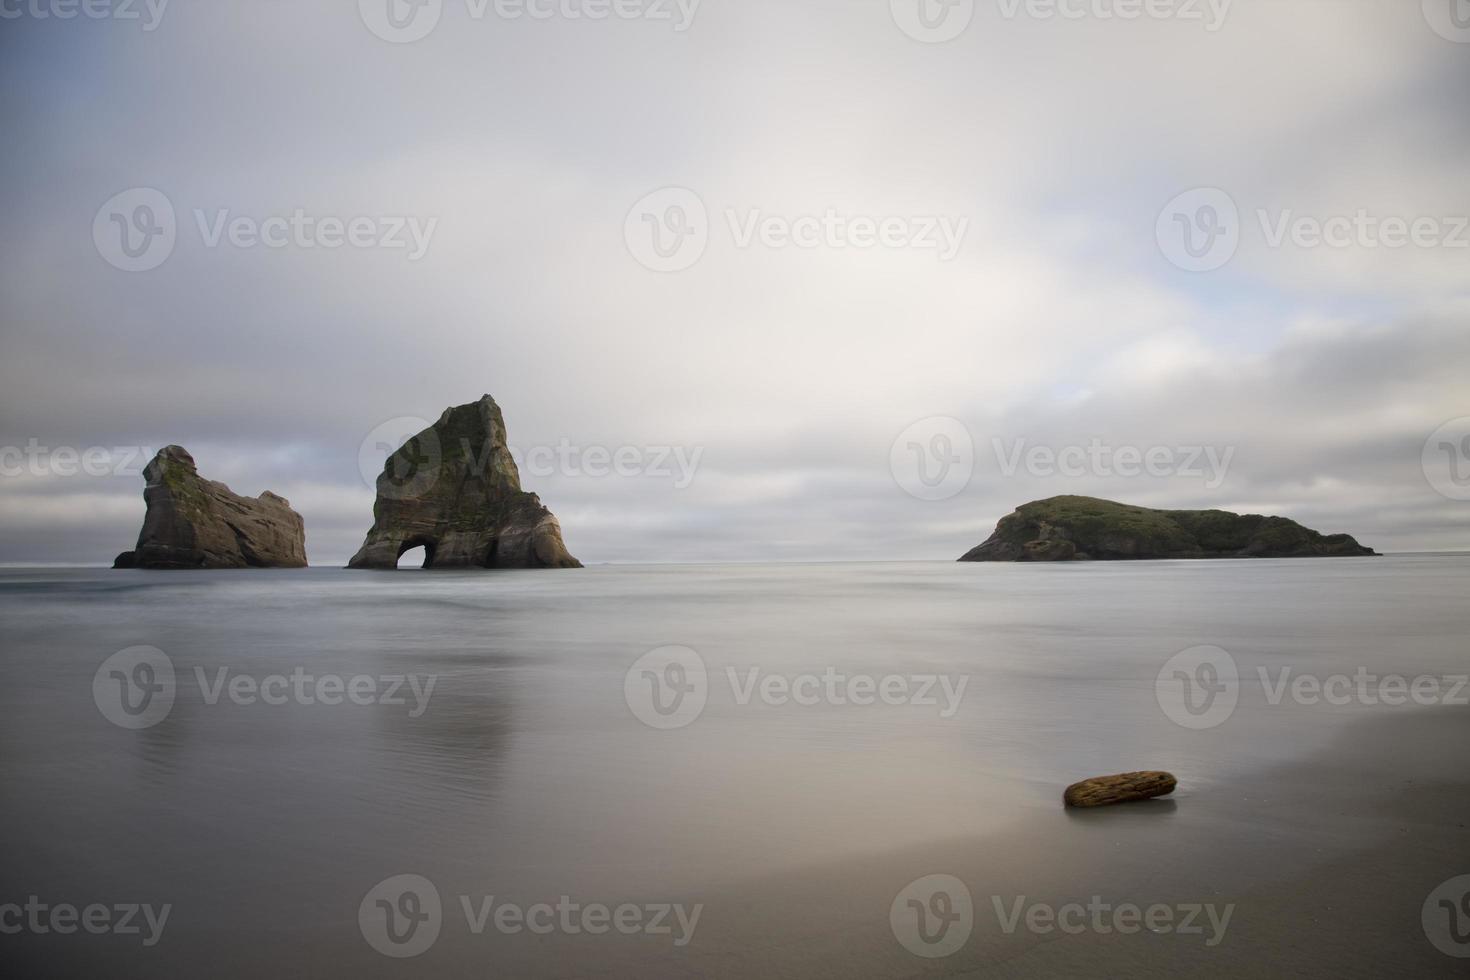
(192, 522)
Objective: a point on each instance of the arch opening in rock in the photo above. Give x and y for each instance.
(416, 553)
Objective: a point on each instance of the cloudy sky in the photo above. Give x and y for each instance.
(864, 266)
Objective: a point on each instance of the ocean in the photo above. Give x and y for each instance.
(735, 770)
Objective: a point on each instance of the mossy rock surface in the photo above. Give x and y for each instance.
(192, 522)
(454, 490)
(1071, 528)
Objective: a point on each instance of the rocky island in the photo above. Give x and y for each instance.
(1072, 528)
(454, 490)
(192, 522)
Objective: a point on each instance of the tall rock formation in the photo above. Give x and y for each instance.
(454, 490)
(1075, 528)
(192, 522)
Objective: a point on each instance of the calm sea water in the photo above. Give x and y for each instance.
(529, 769)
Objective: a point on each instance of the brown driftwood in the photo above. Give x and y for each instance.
(1125, 786)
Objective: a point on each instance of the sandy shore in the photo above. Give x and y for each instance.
(1325, 866)
(1319, 868)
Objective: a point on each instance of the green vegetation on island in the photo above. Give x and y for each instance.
(1071, 528)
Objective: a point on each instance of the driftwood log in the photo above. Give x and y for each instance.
(1125, 786)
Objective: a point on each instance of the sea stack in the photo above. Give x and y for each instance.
(192, 522)
(1078, 528)
(454, 490)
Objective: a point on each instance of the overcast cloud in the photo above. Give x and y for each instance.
(1314, 373)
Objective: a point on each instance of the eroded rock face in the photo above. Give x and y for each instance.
(454, 490)
(192, 522)
(1072, 528)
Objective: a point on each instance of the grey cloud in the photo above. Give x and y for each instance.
(794, 371)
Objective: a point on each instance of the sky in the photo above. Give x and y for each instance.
(832, 279)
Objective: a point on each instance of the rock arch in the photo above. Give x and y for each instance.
(456, 486)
